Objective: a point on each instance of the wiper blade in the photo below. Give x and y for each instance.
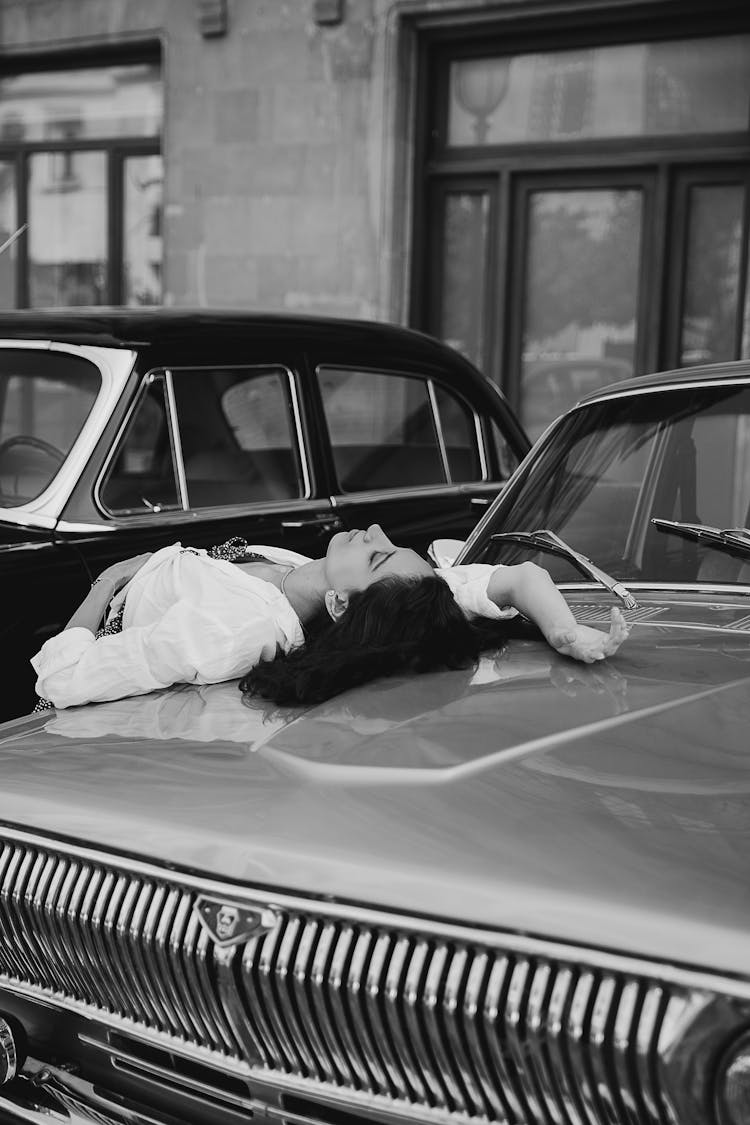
(735, 538)
(546, 540)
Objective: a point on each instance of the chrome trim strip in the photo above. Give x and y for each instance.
(175, 440)
(417, 490)
(439, 431)
(318, 987)
(304, 452)
(673, 385)
(700, 588)
(302, 975)
(522, 944)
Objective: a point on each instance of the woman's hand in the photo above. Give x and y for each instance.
(120, 573)
(588, 645)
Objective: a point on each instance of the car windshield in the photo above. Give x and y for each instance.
(45, 398)
(611, 475)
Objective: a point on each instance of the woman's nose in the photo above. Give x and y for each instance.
(373, 531)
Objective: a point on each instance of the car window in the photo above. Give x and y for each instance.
(382, 429)
(613, 467)
(45, 398)
(459, 435)
(507, 458)
(142, 475)
(237, 435)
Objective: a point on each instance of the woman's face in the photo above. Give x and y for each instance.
(356, 559)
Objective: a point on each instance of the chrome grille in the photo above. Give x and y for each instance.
(375, 1011)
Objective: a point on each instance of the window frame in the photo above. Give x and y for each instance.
(440, 37)
(430, 381)
(116, 151)
(296, 428)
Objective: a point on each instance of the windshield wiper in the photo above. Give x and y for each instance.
(734, 538)
(546, 540)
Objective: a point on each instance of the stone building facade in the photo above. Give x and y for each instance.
(536, 181)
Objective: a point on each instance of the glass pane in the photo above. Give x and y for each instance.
(142, 478)
(237, 437)
(382, 430)
(580, 298)
(8, 228)
(71, 105)
(507, 459)
(459, 435)
(142, 231)
(709, 313)
(67, 228)
(637, 89)
(465, 246)
(44, 401)
(609, 470)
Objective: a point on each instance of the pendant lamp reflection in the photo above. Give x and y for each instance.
(480, 85)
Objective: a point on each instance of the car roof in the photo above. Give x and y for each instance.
(128, 327)
(682, 376)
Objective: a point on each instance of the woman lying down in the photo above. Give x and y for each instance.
(297, 630)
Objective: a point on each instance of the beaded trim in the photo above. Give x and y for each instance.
(235, 549)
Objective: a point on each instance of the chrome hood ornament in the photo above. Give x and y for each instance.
(228, 923)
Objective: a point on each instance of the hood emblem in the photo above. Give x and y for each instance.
(229, 923)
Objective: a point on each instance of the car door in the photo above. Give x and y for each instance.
(410, 452)
(206, 453)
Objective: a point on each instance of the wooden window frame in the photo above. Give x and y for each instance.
(441, 36)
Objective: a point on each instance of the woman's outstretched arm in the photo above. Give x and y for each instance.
(532, 592)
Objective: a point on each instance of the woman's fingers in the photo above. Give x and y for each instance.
(619, 631)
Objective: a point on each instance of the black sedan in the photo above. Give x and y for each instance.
(123, 430)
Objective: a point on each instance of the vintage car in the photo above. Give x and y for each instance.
(518, 893)
(123, 430)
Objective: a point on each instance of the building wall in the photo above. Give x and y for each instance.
(275, 193)
(286, 144)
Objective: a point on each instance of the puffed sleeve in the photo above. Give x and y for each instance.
(190, 643)
(468, 582)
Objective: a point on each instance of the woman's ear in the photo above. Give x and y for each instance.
(336, 604)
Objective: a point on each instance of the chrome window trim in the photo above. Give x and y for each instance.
(484, 464)
(149, 378)
(175, 440)
(430, 380)
(178, 515)
(377, 496)
(684, 976)
(721, 588)
(301, 442)
(437, 423)
(114, 366)
(671, 385)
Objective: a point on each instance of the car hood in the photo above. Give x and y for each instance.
(607, 805)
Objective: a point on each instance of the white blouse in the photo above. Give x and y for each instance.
(189, 618)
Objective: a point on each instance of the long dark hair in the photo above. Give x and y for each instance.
(395, 625)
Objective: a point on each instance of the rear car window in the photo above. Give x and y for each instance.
(45, 398)
(396, 431)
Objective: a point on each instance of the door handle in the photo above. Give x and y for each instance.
(322, 524)
(480, 501)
